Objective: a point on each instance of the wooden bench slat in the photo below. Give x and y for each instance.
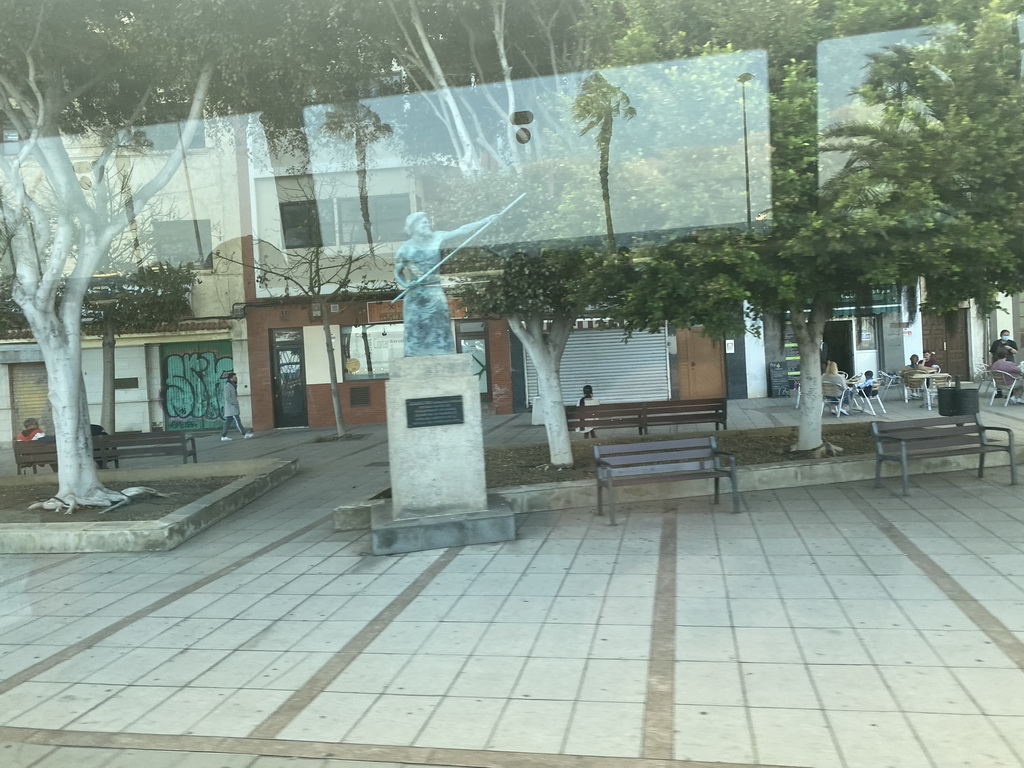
(645, 414)
(935, 437)
(112, 449)
(659, 469)
(686, 442)
(656, 459)
(662, 461)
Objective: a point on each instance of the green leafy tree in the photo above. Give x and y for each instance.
(79, 81)
(154, 296)
(542, 295)
(819, 252)
(943, 160)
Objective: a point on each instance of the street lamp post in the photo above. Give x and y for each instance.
(743, 79)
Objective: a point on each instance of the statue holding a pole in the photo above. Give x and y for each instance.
(425, 313)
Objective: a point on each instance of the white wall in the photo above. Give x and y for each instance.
(132, 405)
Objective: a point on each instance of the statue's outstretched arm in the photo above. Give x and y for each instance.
(467, 229)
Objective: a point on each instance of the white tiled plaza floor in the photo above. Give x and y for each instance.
(830, 626)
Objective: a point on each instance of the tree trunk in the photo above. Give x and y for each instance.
(809, 329)
(332, 367)
(546, 355)
(604, 143)
(364, 197)
(108, 415)
(465, 149)
(78, 482)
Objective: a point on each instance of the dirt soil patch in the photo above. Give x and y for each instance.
(15, 500)
(528, 464)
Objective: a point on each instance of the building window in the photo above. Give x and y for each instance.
(387, 219)
(165, 136)
(369, 349)
(339, 221)
(189, 241)
(300, 223)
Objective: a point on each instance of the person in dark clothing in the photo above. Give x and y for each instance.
(1005, 343)
(1008, 347)
(232, 415)
(588, 399)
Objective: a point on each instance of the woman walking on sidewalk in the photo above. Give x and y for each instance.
(231, 413)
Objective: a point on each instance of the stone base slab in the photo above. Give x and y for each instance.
(259, 476)
(390, 536)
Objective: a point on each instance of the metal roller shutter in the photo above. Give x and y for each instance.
(619, 372)
(30, 393)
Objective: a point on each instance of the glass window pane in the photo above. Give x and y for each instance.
(367, 350)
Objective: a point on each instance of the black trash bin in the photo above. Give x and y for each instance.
(949, 401)
(968, 402)
(954, 401)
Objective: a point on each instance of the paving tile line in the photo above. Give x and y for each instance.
(293, 706)
(659, 702)
(88, 642)
(40, 569)
(438, 757)
(985, 620)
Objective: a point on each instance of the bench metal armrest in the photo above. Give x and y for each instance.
(729, 457)
(1009, 433)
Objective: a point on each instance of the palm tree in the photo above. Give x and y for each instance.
(597, 105)
(359, 124)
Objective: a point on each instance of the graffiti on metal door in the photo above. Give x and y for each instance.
(192, 386)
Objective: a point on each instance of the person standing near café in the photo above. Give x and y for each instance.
(1005, 343)
(232, 414)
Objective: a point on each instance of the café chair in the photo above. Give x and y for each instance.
(983, 376)
(867, 398)
(833, 395)
(1005, 382)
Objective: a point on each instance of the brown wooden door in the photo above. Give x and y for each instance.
(947, 335)
(701, 365)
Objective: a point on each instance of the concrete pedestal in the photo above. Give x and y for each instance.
(436, 452)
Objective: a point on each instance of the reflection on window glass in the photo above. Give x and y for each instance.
(687, 148)
(300, 225)
(478, 349)
(183, 242)
(842, 69)
(166, 136)
(339, 221)
(367, 350)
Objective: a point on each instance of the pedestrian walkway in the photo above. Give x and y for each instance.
(830, 626)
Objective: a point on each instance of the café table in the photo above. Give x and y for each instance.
(929, 383)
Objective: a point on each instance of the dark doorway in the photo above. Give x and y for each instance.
(839, 338)
(946, 335)
(288, 378)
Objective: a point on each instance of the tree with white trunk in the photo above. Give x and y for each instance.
(79, 82)
(542, 295)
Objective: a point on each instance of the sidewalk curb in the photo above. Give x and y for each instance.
(575, 494)
(153, 535)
